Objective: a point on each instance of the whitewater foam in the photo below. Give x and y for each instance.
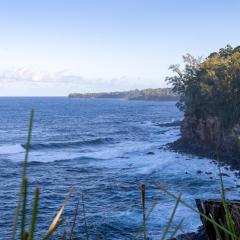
(11, 149)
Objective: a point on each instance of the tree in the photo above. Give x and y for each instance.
(210, 86)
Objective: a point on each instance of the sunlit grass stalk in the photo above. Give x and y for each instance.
(34, 214)
(56, 221)
(54, 228)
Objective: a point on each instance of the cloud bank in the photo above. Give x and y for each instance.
(26, 81)
(30, 76)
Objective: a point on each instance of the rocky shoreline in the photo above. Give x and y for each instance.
(232, 160)
(185, 146)
(209, 98)
(206, 138)
(181, 146)
(224, 158)
(199, 235)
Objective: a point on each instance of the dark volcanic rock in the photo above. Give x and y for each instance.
(150, 153)
(199, 235)
(183, 146)
(206, 137)
(209, 132)
(170, 124)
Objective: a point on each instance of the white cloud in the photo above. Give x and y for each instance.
(30, 82)
(29, 76)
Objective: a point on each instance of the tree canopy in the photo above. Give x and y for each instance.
(210, 86)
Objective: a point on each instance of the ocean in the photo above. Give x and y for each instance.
(104, 149)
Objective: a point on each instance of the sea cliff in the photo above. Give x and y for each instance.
(208, 132)
(209, 91)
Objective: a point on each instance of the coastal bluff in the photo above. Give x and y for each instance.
(208, 132)
(150, 94)
(209, 97)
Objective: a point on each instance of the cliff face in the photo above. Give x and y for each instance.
(208, 132)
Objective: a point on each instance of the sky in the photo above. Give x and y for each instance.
(55, 47)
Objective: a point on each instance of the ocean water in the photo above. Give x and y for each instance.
(105, 149)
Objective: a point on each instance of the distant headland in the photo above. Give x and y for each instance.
(151, 94)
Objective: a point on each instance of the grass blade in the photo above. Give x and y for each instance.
(27, 147)
(171, 217)
(24, 171)
(147, 217)
(199, 213)
(24, 206)
(34, 214)
(85, 219)
(74, 220)
(229, 220)
(15, 220)
(176, 229)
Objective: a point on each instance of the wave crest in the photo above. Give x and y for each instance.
(56, 145)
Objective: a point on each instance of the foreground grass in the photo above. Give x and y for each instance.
(227, 231)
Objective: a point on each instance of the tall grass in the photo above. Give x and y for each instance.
(21, 209)
(223, 231)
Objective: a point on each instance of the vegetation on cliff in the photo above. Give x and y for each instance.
(210, 86)
(157, 94)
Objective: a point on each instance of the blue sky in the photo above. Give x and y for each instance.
(56, 47)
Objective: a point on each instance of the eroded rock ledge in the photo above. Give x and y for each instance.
(206, 137)
(208, 132)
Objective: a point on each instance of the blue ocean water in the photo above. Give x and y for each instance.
(104, 149)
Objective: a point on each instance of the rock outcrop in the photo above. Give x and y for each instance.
(209, 133)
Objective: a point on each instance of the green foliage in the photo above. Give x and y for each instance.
(210, 86)
(22, 202)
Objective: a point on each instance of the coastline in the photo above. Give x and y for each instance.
(182, 146)
(226, 160)
(148, 94)
(199, 235)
